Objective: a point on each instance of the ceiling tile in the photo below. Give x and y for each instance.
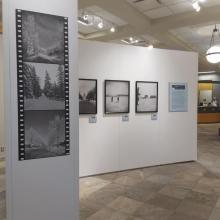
(145, 5)
(172, 2)
(181, 7)
(111, 18)
(86, 29)
(107, 16)
(210, 3)
(159, 12)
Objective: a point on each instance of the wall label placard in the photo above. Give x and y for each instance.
(125, 118)
(154, 116)
(178, 97)
(43, 85)
(92, 119)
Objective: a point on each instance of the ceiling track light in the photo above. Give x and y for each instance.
(131, 41)
(213, 53)
(150, 46)
(100, 25)
(196, 5)
(112, 29)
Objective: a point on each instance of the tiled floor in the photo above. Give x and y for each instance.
(187, 191)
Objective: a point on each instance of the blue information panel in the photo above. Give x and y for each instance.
(178, 97)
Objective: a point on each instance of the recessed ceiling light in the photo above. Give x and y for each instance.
(131, 39)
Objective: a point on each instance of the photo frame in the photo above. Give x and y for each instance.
(42, 85)
(88, 96)
(146, 97)
(117, 97)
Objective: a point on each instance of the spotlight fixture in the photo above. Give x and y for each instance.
(100, 25)
(85, 17)
(150, 47)
(112, 29)
(213, 53)
(196, 5)
(84, 22)
(130, 40)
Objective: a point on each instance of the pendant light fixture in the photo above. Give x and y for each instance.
(213, 53)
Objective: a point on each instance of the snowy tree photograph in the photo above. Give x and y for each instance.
(146, 96)
(87, 96)
(117, 95)
(44, 134)
(43, 38)
(44, 86)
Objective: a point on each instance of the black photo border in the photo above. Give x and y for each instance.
(147, 82)
(108, 113)
(96, 110)
(20, 86)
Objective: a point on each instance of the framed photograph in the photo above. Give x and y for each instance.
(42, 85)
(146, 97)
(87, 96)
(117, 96)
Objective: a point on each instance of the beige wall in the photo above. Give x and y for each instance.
(1, 97)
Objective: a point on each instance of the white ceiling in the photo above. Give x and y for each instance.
(172, 24)
(153, 9)
(108, 18)
(197, 36)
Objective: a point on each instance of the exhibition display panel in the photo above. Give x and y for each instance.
(144, 132)
(41, 86)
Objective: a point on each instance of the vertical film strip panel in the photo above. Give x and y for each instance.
(66, 70)
(20, 86)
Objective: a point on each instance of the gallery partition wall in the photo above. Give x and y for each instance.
(41, 90)
(146, 107)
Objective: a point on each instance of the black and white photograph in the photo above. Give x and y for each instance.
(44, 86)
(146, 97)
(43, 38)
(117, 96)
(87, 96)
(44, 134)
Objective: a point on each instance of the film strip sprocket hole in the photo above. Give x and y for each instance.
(20, 89)
(20, 86)
(66, 71)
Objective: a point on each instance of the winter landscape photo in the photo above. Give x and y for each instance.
(44, 134)
(44, 86)
(43, 38)
(117, 96)
(146, 96)
(87, 96)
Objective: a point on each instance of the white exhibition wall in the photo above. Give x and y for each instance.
(40, 189)
(112, 145)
